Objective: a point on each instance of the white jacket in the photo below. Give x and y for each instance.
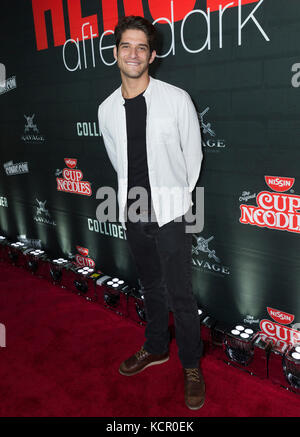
(173, 143)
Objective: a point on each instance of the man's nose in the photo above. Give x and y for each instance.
(133, 52)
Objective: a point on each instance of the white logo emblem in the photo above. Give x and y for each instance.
(202, 245)
(30, 124)
(31, 132)
(212, 144)
(43, 214)
(213, 264)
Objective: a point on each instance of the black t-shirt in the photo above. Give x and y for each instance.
(136, 112)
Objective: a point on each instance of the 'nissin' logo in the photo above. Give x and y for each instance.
(280, 316)
(274, 210)
(71, 181)
(279, 184)
(71, 162)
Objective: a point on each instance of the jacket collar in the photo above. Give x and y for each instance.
(146, 93)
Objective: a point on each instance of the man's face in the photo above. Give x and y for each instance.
(133, 55)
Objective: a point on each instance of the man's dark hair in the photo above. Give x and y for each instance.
(139, 23)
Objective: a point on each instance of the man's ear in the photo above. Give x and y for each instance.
(115, 51)
(152, 57)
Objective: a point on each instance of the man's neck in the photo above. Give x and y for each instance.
(133, 87)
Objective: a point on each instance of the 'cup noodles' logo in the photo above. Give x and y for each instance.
(277, 210)
(72, 182)
(279, 184)
(280, 316)
(279, 333)
(82, 259)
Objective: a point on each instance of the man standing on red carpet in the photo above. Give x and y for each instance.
(152, 136)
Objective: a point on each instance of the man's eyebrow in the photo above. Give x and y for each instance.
(141, 44)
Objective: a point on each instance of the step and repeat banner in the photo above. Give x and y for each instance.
(240, 63)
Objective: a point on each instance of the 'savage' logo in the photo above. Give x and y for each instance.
(41, 209)
(212, 144)
(202, 245)
(30, 124)
(31, 131)
(212, 265)
(42, 213)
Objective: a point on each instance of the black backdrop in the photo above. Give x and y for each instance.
(240, 66)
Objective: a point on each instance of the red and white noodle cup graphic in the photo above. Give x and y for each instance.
(279, 333)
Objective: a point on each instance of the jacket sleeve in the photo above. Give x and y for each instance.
(108, 142)
(190, 137)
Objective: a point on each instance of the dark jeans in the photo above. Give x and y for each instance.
(163, 261)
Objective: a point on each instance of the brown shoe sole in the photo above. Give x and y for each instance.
(197, 407)
(154, 363)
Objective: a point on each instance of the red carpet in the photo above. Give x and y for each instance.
(62, 356)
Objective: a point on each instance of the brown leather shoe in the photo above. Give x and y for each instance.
(139, 361)
(194, 388)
